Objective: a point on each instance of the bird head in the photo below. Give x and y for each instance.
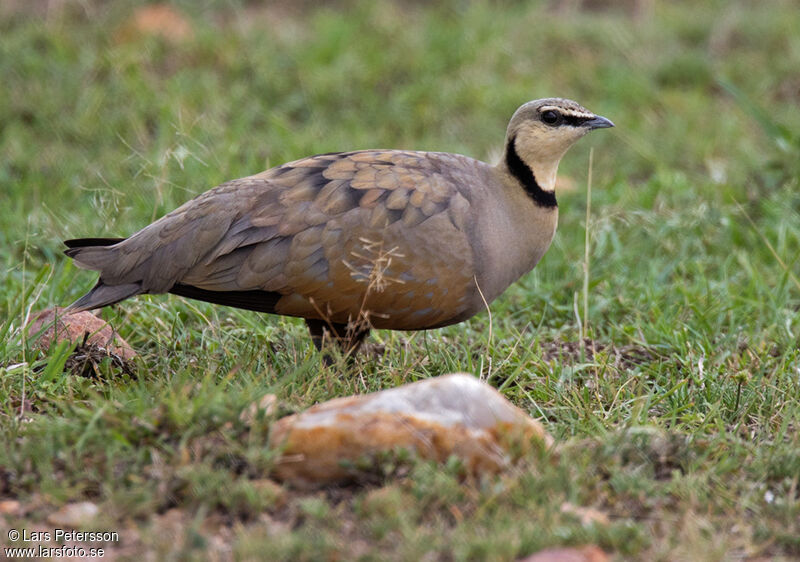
(541, 132)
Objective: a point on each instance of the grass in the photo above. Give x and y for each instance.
(678, 421)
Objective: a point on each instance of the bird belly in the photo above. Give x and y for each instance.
(395, 278)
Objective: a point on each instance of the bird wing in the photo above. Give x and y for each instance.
(335, 236)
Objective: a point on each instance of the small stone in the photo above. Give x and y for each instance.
(57, 325)
(156, 20)
(266, 406)
(587, 515)
(74, 515)
(9, 507)
(589, 553)
(435, 418)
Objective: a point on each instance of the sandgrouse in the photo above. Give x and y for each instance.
(356, 240)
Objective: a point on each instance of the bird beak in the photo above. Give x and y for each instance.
(598, 123)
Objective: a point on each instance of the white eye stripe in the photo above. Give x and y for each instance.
(567, 112)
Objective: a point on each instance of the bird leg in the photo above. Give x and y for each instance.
(348, 340)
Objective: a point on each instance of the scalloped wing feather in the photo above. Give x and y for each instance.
(381, 234)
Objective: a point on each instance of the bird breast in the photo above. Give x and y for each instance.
(512, 233)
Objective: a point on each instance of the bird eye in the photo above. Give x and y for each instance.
(550, 117)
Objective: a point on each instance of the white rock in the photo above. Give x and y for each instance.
(449, 415)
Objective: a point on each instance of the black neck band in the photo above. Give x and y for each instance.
(525, 176)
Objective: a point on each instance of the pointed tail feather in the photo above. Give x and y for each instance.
(90, 253)
(103, 295)
(84, 242)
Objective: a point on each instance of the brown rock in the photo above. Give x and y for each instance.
(589, 553)
(55, 324)
(435, 418)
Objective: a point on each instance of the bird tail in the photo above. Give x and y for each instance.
(93, 253)
(104, 295)
(90, 253)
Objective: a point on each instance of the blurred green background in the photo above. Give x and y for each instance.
(114, 113)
